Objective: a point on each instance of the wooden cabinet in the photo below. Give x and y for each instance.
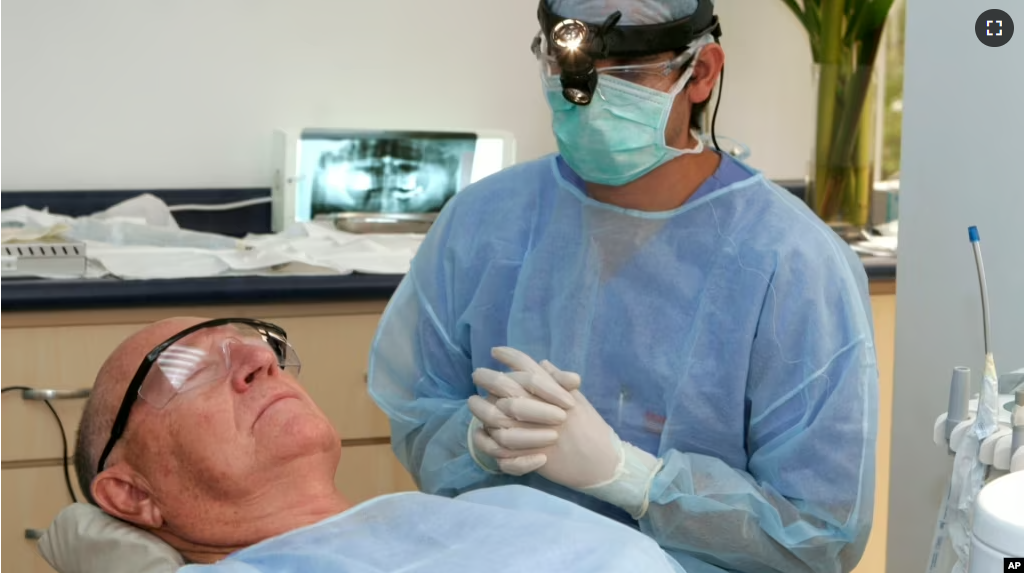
(884, 315)
(49, 357)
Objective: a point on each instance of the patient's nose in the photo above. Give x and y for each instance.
(250, 363)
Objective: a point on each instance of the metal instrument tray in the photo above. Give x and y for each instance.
(381, 222)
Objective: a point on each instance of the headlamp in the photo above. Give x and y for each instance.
(578, 75)
(576, 45)
(569, 34)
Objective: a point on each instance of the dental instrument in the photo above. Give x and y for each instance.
(980, 434)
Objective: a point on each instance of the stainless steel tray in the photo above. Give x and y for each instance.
(380, 222)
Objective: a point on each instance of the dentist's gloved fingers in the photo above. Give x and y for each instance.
(522, 465)
(530, 413)
(544, 387)
(516, 360)
(508, 433)
(530, 410)
(568, 380)
(483, 442)
(532, 376)
(488, 413)
(498, 384)
(519, 439)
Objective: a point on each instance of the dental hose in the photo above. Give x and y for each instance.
(987, 394)
(973, 236)
(953, 524)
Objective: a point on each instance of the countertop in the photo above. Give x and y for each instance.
(47, 295)
(19, 295)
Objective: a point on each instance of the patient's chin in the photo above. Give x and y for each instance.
(288, 433)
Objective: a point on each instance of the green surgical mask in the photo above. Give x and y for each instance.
(620, 136)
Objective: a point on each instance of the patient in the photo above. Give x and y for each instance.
(198, 432)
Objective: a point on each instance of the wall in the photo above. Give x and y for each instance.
(961, 166)
(768, 99)
(129, 94)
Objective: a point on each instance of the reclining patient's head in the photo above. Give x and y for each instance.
(220, 447)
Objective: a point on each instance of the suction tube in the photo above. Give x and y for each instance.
(973, 236)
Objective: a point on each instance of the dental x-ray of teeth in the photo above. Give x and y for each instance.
(384, 172)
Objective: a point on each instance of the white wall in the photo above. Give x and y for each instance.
(768, 99)
(961, 165)
(130, 94)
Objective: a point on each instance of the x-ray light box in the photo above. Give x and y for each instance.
(320, 172)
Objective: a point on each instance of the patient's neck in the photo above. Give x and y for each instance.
(255, 520)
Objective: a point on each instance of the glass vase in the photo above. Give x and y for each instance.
(840, 182)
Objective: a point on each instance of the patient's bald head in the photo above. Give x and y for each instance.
(212, 466)
(108, 390)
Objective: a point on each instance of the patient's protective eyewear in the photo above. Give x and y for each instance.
(197, 356)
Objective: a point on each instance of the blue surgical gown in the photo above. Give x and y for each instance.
(732, 337)
(510, 529)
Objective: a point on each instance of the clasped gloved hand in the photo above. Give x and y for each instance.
(577, 449)
(521, 416)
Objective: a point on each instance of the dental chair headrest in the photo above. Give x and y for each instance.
(83, 539)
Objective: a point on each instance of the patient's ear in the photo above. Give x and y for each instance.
(119, 491)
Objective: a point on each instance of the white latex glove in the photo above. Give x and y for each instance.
(520, 416)
(588, 456)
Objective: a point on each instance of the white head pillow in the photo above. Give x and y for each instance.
(83, 539)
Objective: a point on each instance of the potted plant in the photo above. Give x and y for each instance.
(844, 37)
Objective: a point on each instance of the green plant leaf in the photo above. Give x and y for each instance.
(796, 9)
(808, 16)
(869, 19)
(854, 18)
(812, 13)
(844, 36)
(831, 30)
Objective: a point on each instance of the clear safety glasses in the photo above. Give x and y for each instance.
(638, 71)
(202, 354)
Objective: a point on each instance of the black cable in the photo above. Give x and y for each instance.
(64, 438)
(715, 112)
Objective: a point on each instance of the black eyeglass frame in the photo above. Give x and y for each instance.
(132, 393)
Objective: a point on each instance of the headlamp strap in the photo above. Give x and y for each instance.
(605, 28)
(613, 40)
